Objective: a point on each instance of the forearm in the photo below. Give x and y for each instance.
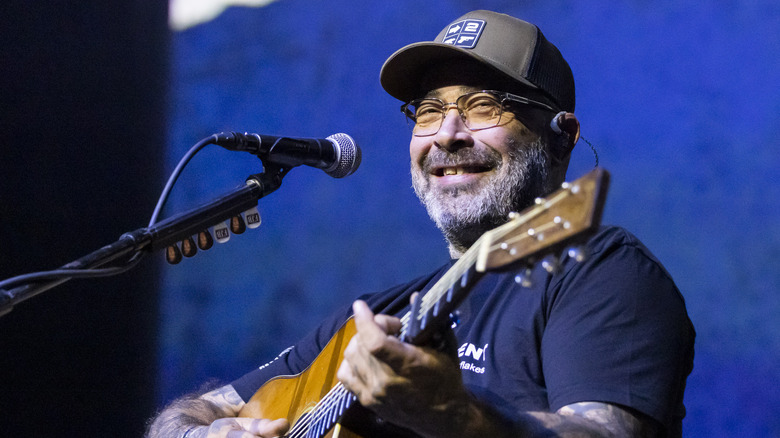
(471, 418)
(196, 410)
(552, 424)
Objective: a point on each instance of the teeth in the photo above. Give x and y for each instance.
(453, 171)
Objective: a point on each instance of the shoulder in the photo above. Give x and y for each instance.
(615, 254)
(618, 270)
(610, 237)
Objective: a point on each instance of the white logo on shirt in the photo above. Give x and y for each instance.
(478, 354)
(286, 350)
(469, 349)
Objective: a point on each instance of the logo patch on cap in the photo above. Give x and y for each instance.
(464, 34)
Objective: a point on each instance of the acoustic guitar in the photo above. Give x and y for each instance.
(317, 404)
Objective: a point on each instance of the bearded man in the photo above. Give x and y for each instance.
(597, 348)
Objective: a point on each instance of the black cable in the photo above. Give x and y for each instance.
(175, 175)
(70, 273)
(595, 154)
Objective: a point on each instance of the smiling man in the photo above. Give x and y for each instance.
(597, 348)
(474, 162)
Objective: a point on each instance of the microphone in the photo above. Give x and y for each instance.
(338, 155)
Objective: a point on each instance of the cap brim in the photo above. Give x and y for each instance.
(403, 72)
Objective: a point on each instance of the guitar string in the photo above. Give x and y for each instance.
(440, 287)
(466, 262)
(340, 398)
(302, 427)
(538, 231)
(325, 407)
(329, 411)
(562, 195)
(429, 300)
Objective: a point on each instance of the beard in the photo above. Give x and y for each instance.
(465, 212)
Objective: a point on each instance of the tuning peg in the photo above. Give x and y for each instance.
(188, 248)
(237, 225)
(205, 241)
(551, 264)
(173, 255)
(577, 253)
(252, 218)
(524, 278)
(221, 232)
(574, 188)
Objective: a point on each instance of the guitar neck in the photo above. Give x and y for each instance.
(430, 312)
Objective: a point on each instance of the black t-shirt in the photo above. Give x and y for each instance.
(612, 328)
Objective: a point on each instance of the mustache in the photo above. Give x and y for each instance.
(438, 158)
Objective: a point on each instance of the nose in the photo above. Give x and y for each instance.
(453, 133)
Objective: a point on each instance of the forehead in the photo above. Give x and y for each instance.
(452, 92)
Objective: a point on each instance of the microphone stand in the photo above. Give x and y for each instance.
(160, 235)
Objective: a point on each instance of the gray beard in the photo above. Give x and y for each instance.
(463, 214)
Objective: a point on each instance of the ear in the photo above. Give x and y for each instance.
(568, 123)
(564, 122)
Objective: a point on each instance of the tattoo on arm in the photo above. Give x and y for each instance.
(195, 410)
(227, 399)
(592, 419)
(618, 420)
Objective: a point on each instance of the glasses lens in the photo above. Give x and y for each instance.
(482, 110)
(479, 110)
(427, 115)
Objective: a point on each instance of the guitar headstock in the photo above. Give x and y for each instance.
(564, 218)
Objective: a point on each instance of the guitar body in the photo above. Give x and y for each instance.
(291, 397)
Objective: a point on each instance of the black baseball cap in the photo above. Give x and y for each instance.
(508, 48)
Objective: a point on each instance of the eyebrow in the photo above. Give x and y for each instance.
(463, 89)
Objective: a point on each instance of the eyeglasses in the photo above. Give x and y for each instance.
(478, 110)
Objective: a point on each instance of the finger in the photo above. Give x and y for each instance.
(357, 362)
(378, 326)
(373, 342)
(363, 314)
(371, 335)
(344, 374)
(373, 332)
(263, 427)
(273, 428)
(388, 323)
(349, 376)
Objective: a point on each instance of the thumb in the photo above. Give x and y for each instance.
(263, 427)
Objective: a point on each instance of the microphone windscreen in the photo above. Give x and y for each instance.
(349, 156)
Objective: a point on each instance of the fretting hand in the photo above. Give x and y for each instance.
(416, 387)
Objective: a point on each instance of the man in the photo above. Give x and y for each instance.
(598, 348)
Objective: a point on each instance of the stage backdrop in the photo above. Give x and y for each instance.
(681, 99)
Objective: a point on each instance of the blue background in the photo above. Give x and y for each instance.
(681, 99)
